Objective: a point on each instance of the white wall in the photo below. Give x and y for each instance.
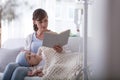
(105, 44)
(99, 23)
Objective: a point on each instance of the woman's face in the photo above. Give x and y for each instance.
(33, 59)
(43, 24)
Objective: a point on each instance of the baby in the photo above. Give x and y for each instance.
(27, 59)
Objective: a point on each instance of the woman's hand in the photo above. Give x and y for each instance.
(58, 48)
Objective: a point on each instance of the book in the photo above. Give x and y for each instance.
(51, 39)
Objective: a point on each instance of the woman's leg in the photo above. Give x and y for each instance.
(9, 71)
(20, 73)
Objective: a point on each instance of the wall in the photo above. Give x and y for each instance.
(115, 39)
(104, 46)
(99, 48)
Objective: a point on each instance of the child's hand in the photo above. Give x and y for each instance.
(39, 73)
(58, 48)
(30, 73)
(35, 73)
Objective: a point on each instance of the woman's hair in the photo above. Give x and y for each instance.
(38, 14)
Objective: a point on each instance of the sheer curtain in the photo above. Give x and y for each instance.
(60, 12)
(22, 25)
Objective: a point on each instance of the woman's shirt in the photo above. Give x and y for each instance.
(35, 44)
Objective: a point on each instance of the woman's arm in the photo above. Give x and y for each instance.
(28, 42)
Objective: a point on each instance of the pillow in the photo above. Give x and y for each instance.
(7, 56)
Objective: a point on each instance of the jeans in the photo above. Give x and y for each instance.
(15, 72)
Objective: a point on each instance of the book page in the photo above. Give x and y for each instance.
(52, 39)
(63, 39)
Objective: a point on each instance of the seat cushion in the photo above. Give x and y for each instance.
(32, 78)
(1, 76)
(26, 78)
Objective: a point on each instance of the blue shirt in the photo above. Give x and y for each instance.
(36, 43)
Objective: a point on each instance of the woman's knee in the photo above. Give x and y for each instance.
(22, 70)
(12, 65)
(20, 73)
(9, 71)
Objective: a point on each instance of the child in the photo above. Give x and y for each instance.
(57, 66)
(28, 59)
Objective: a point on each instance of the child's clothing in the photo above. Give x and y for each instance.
(62, 66)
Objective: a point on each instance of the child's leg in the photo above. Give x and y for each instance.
(20, 73)
(9, 71)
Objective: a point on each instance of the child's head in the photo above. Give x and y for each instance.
(27, 59)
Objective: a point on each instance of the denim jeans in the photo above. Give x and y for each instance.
(15, 72)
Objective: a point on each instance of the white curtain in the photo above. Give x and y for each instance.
(23, 25)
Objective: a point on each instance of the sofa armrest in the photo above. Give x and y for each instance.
(7, 56)
(13, 43)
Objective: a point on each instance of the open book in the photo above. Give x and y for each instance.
(51, 39)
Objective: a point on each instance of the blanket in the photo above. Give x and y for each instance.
(60, 66)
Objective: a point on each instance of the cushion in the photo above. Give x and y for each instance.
(7, 56)
(1, 74)
(32, 78)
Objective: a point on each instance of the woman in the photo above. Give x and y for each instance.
(16, 71)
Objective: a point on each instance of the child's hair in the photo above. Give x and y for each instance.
(21, 59)
(39, 14)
